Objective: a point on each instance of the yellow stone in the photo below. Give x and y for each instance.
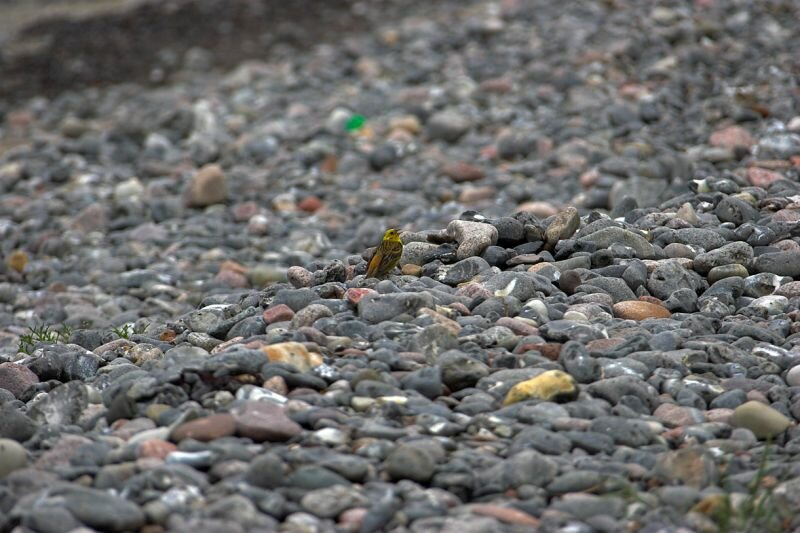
(411, 270)
(764, 421)
(18, 260)
(553, 385)
(155, 410)
(713, 505)
(293, 353)
(410, 123)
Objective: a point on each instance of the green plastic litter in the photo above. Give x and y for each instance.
(355, 123)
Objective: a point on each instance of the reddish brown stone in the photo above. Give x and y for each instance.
(277, 384)
(589, 178)
(205, 429)
(496, 85)
(650, 299)
(517, 326)
(62, 452)
(459, 172)
(245, 211)
(604, 345)
(787, 215)
(675, 415)
(639, 310)
(790, 290)
(207, 187)
(757, 396)
(232, 279)
(329, 164)
(525, 259)
(720, 415)
(539, 209)
(16, 378)
(125, 429)
(508, 515)
(156, 448)
(264, 421)
(310, 204)
(731, 137)
(550, 350)
(351, 519)
(354, 295)
(460, 308)
(278, 313)
(471, 195)
(763, 178)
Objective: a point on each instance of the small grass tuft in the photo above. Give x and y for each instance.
(758, 512)
(126, 330)
(44, 334)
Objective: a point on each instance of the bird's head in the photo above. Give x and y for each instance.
(391, 235)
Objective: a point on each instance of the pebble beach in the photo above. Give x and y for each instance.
(594, 325)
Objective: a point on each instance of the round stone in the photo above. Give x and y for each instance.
(410, 462)
(12, 457)
(764, 421)
(793, 376)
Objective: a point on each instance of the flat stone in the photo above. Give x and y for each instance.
(605, 237)
(264, 421)
(639, 310)
(156, 448)
(100, 510)
(375, 308)
(731, 137)
(461, 172)
(761, 177)
(277, 313)
(509, 515)
(205, 429)
(677, 415)
(330, 502)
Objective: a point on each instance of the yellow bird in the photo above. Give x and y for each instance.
(387, 256)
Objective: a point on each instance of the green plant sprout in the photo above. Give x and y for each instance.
(45, 334)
